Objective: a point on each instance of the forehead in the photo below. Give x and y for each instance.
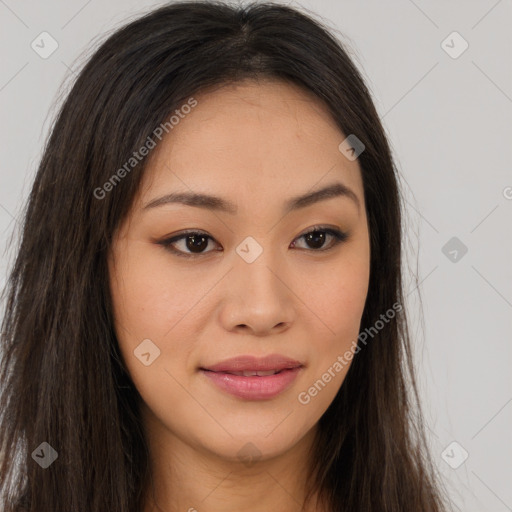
(264, 139)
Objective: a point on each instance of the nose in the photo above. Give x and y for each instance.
(258, 296)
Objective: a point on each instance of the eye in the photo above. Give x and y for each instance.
(317, 236)
(194, 243)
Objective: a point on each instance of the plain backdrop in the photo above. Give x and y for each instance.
(445, 99)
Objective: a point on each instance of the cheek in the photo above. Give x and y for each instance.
(150, 296)
(151, 301)
(338, 305)
(336, 295)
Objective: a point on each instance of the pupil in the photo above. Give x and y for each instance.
(203, 242)
(317, 237)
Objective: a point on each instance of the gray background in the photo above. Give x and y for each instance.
(448, 120)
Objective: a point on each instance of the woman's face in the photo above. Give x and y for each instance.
(253, 283)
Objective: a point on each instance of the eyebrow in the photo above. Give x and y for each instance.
(210, 202)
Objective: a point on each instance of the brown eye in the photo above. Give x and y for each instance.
(315, 239)
(193, 244)
(196, 243)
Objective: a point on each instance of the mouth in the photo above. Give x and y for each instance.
(271, 363)
(253, 373)
(252, 378)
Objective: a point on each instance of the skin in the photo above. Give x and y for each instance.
(256, 144)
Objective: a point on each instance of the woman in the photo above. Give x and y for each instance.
(205, 311)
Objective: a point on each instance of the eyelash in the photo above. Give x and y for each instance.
(338, 237)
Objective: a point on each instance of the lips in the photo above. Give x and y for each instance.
(253, 378)
(253, 373)
(257, 365)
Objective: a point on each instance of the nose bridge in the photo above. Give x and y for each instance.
(258, 299)
(256, 266)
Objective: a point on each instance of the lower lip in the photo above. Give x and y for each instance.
(253, 388)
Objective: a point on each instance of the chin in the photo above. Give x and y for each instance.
(255, 443)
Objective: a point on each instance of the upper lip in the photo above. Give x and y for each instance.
(252, 363)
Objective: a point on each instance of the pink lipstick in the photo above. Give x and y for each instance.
(254, 378)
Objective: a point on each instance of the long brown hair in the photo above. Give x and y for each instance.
(63, 381)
